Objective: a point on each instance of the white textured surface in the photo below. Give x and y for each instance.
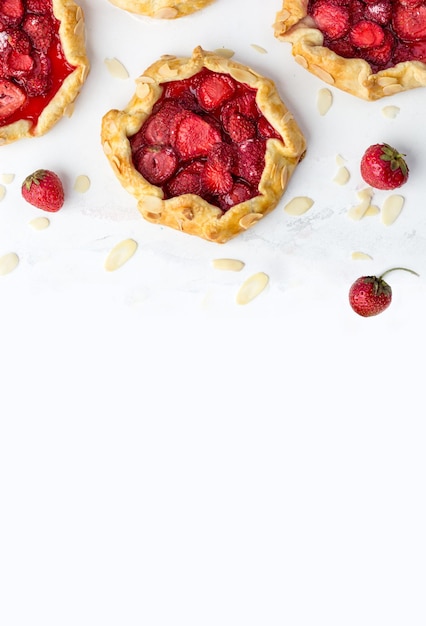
(168, 457)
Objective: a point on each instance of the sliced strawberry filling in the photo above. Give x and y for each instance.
(31, 58)
(382, 32)
(205, 136)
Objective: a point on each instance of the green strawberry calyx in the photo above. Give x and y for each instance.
(34, 178)
(395, 158)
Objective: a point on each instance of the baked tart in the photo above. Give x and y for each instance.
(162, 9)
(369, 48)
(43, 64)
(205, 145)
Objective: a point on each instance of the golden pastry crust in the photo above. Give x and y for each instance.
(190, 213)
(355, 76)
(72, 35)
(162, 9)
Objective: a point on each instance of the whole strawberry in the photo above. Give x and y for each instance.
(43, 189)
(371, 295)
(383, 167)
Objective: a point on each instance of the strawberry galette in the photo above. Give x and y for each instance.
(43, 64)
(369, 48)
(205, 145)
(162, 9)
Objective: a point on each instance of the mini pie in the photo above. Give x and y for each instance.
(43, 64)
(162, 9)
(205, 145)
(369, 48)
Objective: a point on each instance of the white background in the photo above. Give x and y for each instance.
(168, 457)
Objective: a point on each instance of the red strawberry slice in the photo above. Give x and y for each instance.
(194, 136)
(413, 51)
(379, 12)
(18, 41)
(332, 19)
(39, 81)
(223, 154)
(250, 161)
(156, 163)
(409, 23)
(216, 179)
(187, 180)
(156, 130)
(12, 98)
(214, 89)
(240, 128)
(39, 6)
(366, 34)
(40, 29)
(240, 192)
(11, 12)
(265, 129)
(381, 55)
(19, 64)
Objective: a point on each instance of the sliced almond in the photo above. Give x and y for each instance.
(248, 220)
(361, 256)
(383, 81)
(8, 262)
(151, 204)
(2, 192)
(321, 73)
(120, 254)
(230, 265)
(340, 161)
(391, 89)
(372, 211)
(6, 179)
(324, 100)
(142, 90)
(226, 53)
(40, 223)
(242, 76)
(259, 49)
(390, 111)
(301, 60)
(168, 13)
(116, 68)
(82, 183)
(342, 176)
(252, 287)
(391, 209)
(298, 205)
(358, 211)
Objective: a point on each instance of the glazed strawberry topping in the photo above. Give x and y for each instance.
(205, 136)
(32, 62)
(382, 32)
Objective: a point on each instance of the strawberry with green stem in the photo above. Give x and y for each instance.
(371, 295)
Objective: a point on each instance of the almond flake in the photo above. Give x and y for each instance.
(298, 205)
(82, 183)
(232, 265)
(6, 179)
(116, 68)
(340, 161)
(342, 176)
(242, 76)
(361, 256)
(258, 48)
(372, 211)
(226, 53)
(168, 13)
(248, 220)
(390, 112)
(252, 287)
(322, 74)
(40, 223)
(301, 61)
(2, 192)
(383, 81)
(391, 209)
(324, 100)
(389, 90)
(151, 204)
(8, 262)
(142, 90)
(120, 254)
(358, 211)
(365, 194)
